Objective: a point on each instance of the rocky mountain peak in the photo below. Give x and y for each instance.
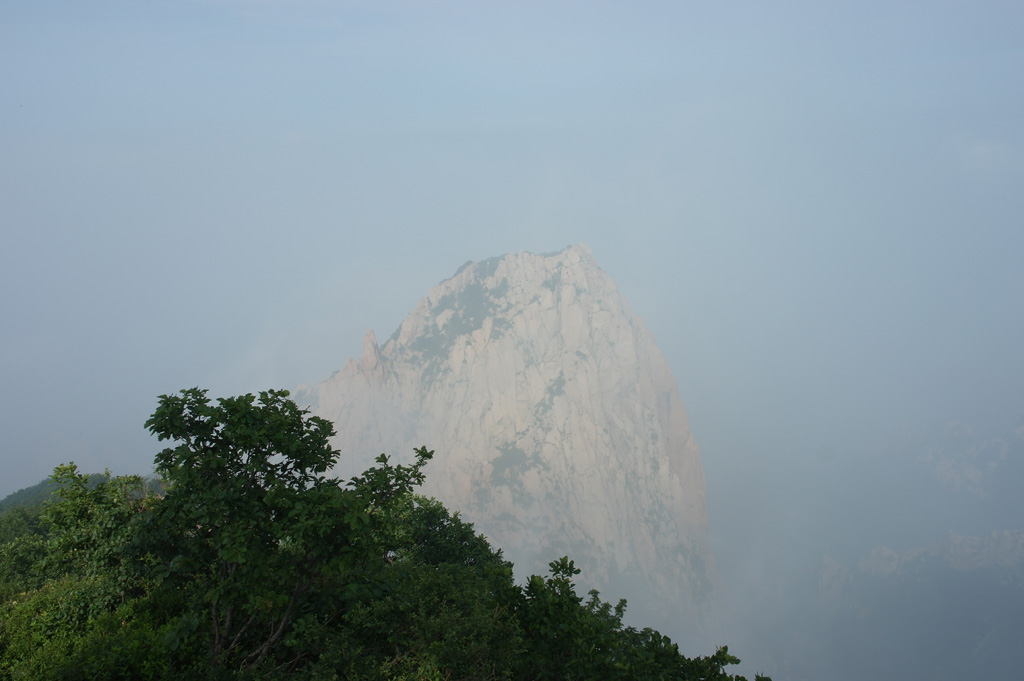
(370, 359)
(557, 425)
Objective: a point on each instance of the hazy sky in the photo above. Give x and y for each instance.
(816, 207)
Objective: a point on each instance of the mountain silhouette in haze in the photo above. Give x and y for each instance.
(557, 426)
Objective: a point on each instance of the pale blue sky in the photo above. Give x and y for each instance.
(817, 208)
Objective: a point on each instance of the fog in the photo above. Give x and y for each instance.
(816, 209)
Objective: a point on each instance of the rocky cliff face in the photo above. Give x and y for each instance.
(557, 426)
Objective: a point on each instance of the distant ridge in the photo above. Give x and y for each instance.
(27, 496)
(38, 493)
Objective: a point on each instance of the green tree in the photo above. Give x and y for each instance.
(569, 638)
(22, 547)
(254, 523)
(249, 561)
(445, 608)
(92, 524)
(79, 566)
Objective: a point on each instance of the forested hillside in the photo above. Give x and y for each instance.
(38, 493)
(248, 561)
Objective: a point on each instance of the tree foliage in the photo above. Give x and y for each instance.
(251, 522)
(249, 561)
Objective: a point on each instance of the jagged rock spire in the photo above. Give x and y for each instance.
(557, 425)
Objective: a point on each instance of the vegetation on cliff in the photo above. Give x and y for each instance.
(248, 561)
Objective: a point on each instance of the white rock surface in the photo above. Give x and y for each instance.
(557, 426)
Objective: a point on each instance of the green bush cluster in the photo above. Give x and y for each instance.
(248, 561)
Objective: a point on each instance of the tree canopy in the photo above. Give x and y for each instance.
(249, 561)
